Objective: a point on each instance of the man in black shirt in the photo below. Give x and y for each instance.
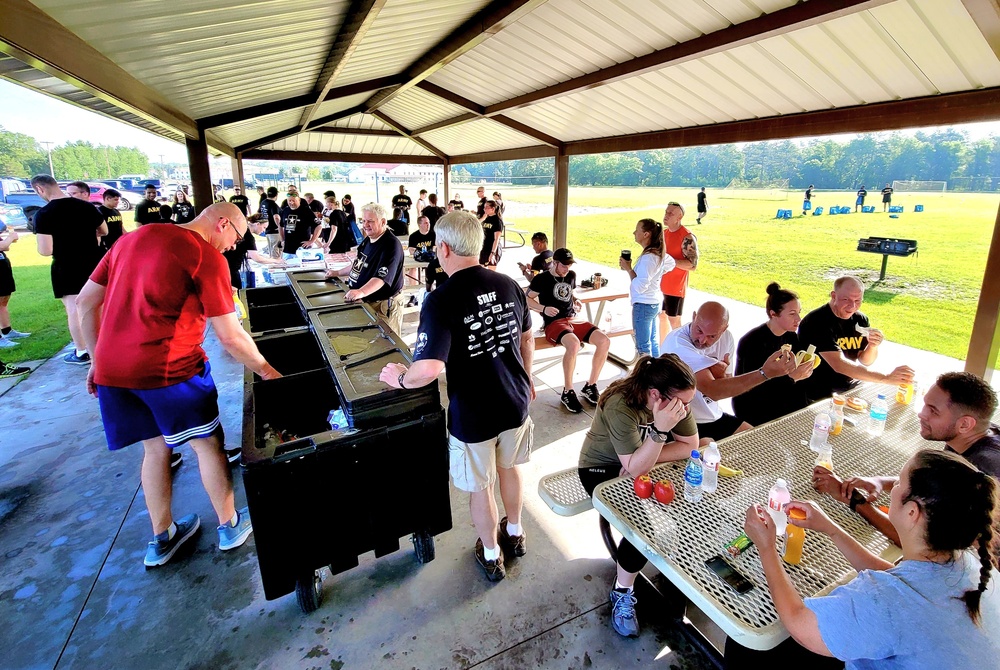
(807, 201)
(702, 205)
(148, 211)
(551, 293)
(240, 200)
(112, 219)
(492, 232)
(299, 227)
(422, 241)
(542, 261)
(481, 205)
(434, 275)
(432, 211)
(845, 342)
(860, 202)
(315, 205)
(457, 200)
(397, 226)
(886, 197)
(402, 202)
(270, 214)
(67, 229)
(376, 276)
(476, 326)
(261, 195)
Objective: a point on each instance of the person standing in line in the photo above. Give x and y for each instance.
(476, 326)
(112, 219)
(315, 205)
(807, 201)
(341, 237)
(403, 203)
(270, 214)
(67, 229)
(457, 200)
(492, 230)
(644, 291)
(261, 195)
(886, 197)
(682, 246)
(501, 207)
(432, 211)
(298, 227)
(421, 202)
(144, 312)
(702, 205)
(79, 190)
(147, 211)
(860, 202)
(182, 208)
(481, 204)
(8, 335)
(240, 201)
(352, 219)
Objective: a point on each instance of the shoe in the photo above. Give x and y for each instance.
(6, 343)
(590, 393)
(176, 458)
(233, 453)
(16, 334)
(231, 537)
(570, 401)
(9, 370)
(161, 550)
(72, 358)
(512, 544)
(494, 569)
(623, 618)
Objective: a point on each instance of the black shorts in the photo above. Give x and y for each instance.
(722, 427)
(673, 305)
(886, 198)
(703, 210)
(69, 280)
(6, 276)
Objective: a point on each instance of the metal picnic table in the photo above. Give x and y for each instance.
(679, 537)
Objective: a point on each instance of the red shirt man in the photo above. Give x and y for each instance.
(683, 247)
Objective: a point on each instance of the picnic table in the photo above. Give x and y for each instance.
(678, 538)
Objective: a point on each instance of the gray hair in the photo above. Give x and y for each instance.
(462, 232)
(376, 209)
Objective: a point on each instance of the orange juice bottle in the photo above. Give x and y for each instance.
(794, 539)
(904, 394)
(837, 414)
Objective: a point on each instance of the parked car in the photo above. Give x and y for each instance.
(12, 216)
(15, 191)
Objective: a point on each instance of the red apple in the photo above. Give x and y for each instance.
(643, 486)
(664, 491)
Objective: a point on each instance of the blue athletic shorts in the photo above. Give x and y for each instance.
(179, 412)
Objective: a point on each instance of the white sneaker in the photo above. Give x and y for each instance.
(16, 334)
(6, 343)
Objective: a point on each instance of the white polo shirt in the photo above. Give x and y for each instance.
(679, 342)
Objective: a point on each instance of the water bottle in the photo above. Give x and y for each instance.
(710, 459)
(777, 498)
(877, 415)
(837, 414)
(693, 478)
(821, 428)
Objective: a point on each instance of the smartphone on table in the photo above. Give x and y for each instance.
(727, 573)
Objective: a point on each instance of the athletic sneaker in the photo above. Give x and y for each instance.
(513, 544)
(73, 359)
(590, 393)
(6, 343)
(231, 537)
(9, 370)
(16, 334)
(233, 454)
(494, 569)
(161, 550)
(623, 618)
(570, 401)
(176, 458)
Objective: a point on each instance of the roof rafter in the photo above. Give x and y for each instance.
(360, 17)
(271, 155)
(409, 135)
(371, 132)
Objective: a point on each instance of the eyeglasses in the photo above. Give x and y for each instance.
(685, 405)
(673, 204)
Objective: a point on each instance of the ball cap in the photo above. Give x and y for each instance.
(564, 256)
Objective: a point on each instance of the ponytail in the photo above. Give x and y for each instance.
(656, 245)
(987, 558)
(667, 374)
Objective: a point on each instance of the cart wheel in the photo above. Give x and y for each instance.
(309, 591)
(423, 546)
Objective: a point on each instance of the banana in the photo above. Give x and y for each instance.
(729, 472)
(808, 355)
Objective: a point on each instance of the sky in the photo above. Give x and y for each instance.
(50, 120)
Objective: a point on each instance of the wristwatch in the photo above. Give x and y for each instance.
(857, 498)
(656, 436)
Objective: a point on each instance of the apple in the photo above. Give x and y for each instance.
(664, 491)
(643, 486)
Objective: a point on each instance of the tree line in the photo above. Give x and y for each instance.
(22, 156)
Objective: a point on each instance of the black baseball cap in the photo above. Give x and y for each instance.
(564, 256)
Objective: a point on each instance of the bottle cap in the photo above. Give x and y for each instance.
(695, 454)
(839, 399)
(781, 482)
(881, 396)
(796, 513)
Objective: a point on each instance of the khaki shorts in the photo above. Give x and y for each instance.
(474, 464)
(392, 311)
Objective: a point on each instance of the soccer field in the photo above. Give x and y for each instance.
(927, 300)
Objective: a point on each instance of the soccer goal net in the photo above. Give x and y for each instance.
(908, 185)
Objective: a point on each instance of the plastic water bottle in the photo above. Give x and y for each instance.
(777, 498)
(821, 429)
(710, 459)
(693, 478)
(876, 416)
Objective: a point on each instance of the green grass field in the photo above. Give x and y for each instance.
(33, 308)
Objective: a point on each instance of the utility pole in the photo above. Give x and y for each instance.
(163, 169)
(48, 147)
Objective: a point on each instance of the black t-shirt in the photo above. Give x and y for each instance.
(491, 224)
(701, 201)
(809, 194)
(542, 262)
(183, 212)
(402, 201)
(862, 193)
(555, 292)
(458, 204)
(349, 211)
(73, 226)
(147, 211)
(421, 242)
(268, 208)
(316, 206)
(382, 259)
(242, 202)
(434, 274)
(298, 225)
(887, 194)
(236, 257)
(822, 328)
(398, 227)
(984, 453)
(776, 397)
(343, 240)
(481, 207)
(433, 214)
(113, 218)
(473, 322)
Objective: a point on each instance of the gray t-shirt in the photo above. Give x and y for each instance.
(912, 617)
(985, 452)
(619, 429)
(679, 342)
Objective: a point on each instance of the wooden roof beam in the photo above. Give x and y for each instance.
(259, 154)
(336, 116)
(540, 151)
(409, 135)
(371, 132)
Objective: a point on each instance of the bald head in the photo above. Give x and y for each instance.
(222, 224)
(846, 297)
(709, 323)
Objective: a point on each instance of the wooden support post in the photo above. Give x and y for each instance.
(984, 345)
(446, 185)
(560, 213)
(238, 179)
(201, 178)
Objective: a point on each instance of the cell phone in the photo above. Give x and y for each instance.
(727, 573)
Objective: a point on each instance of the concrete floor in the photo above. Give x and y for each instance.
(74, 592)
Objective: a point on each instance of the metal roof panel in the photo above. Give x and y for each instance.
(477, 136)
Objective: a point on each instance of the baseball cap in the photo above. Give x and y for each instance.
(564, 256)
